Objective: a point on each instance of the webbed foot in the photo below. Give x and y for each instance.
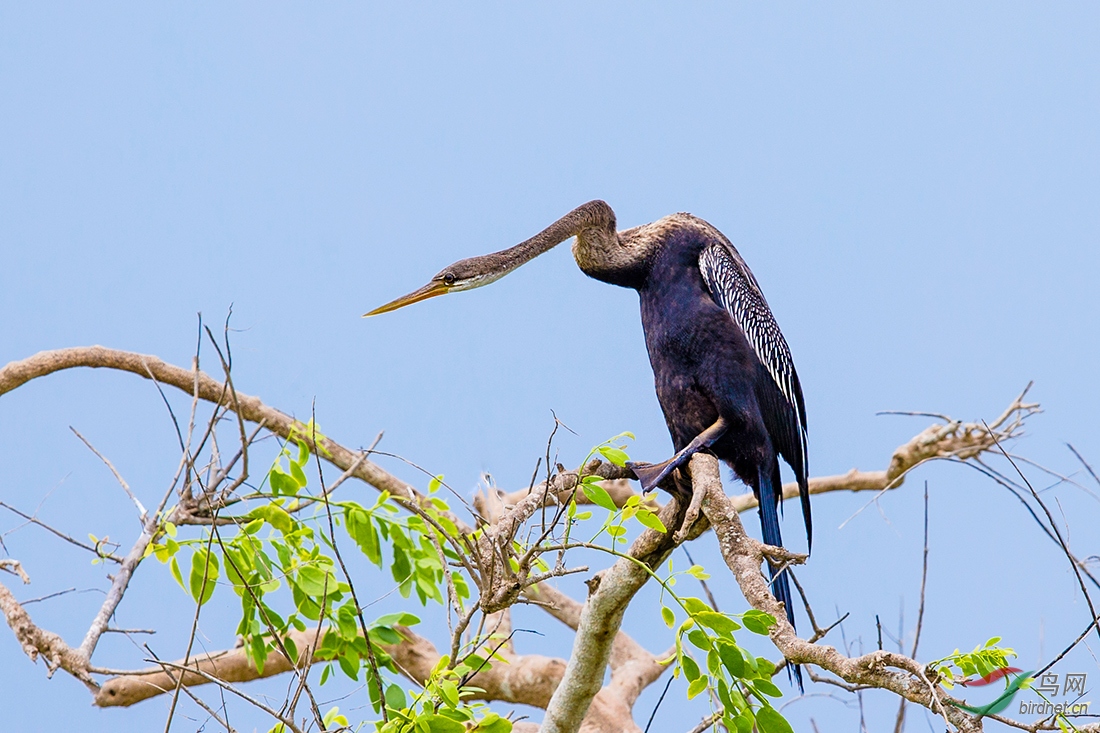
(651, 474)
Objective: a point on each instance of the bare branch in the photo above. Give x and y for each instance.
(37, 641)
(97, 551)
(207, 388)
(142, 514)
(15, 567)
(899, 721)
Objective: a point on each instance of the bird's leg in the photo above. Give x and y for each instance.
(690, 515)
(651, 474)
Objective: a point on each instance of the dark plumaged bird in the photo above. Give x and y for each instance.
(724, 374)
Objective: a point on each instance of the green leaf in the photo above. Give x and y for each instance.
(333, 716)
(651, 520)
(696, 571)
(694, 605)
(298, 475)
(349, 664)
(699, 638)
(175, 566)
(493, 723)
(346, 621)
(668, 616)
(291, 648)
(395, 698)
(767, 687)
(691, 669)
(435, 483)
(167, 550)
(731, 657)
(598, 496)
(720, 622)
(449, 691)
(204, 573)
(365, 534)
(259, 652)
(440, 724)
(233, 563)
(758, 622)
(385, 635)
(697, 686)
(275, 516)
(282, 483)
(615, 455)
(616, 530)
(768, 720)
(405, 619)
(315, 582)
(401, 566)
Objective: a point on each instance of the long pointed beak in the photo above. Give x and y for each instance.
(430, 290)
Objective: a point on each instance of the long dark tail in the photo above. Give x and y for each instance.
(769, 492)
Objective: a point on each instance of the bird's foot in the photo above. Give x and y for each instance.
(651, 474)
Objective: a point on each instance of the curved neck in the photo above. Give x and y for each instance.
(595, 217)
(600, 251)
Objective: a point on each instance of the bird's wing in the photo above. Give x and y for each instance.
(733, 286)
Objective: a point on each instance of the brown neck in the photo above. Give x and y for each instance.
(600, 251)
(595, 216)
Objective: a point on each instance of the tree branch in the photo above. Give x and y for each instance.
(744, 555)
(18, 373)
(36, 640)
(610, 592)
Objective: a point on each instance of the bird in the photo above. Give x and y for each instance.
(723, 371)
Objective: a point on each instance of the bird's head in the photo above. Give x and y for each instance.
(594, 218)
(466, 274)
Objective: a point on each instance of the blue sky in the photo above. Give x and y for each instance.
(915, 188)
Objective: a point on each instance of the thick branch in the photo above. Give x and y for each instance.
(36, 641)
(528, 679)
(633, 668)
(17, 373)
(611, 591)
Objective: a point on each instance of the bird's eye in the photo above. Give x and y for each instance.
(448, 279)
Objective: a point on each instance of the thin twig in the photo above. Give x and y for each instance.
(371, 659)
(288, 722)
(1074, 563)
(194, 630)
(899, 721)
(142, 513)
(35, 520)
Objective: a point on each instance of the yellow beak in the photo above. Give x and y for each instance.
(430, 290)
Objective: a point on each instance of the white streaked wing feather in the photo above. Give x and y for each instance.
(733, 287)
